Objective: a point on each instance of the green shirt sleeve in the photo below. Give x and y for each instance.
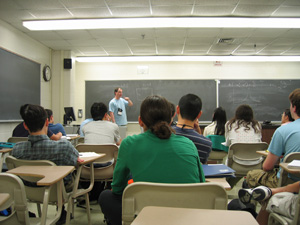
(121, 171)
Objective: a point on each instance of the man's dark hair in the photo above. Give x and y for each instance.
(98, 110)
(34, 116)
(116, 90)
(287, 112)
(49, 113)
(190, 106)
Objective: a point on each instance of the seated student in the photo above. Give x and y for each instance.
(217, 127)
(82, 124)
(285, 140)
(272, 200)
(242, 128)
(40, 147)
(286, 117)
(101, 131)
(20, 131)
(157, 155)
(55, 128)
(188, 112)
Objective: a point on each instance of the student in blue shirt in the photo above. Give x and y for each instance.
(55, 128)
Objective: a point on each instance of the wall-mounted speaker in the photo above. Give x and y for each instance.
(67, 63)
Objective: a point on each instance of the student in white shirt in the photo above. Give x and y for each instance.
(242, 128)
(217, 127)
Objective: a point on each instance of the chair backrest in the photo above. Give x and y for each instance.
(284, 178)
(17, 139)
(34, 194)
(111, 154)
(13, 185)
(201, 196)
(242, 157)
(217, 141)
(80, 140)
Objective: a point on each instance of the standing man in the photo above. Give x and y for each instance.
(188, 112)
(117, 107)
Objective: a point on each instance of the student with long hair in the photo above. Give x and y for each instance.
(217, 127)
(242, 128)
(157, 155)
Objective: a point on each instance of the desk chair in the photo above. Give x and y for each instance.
(36, 194)
(219, 151)
(242, 157)
(17, 201)
(284, 179)
(200, 195)
(275, 218)
(17, 139)
(101, 173)
(80, 140)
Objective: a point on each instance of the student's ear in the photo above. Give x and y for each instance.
(141, 123)
(177, 110)
(199, 115)
(25, 126)
(47, 122)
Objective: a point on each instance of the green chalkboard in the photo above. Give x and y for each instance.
(19, 84)
(137, 90)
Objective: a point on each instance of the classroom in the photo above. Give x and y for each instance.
(68, 84)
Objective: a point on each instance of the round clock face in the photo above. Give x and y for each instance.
(47, 73)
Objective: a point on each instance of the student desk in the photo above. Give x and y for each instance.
(222, 181)
(178, 216)
(3, 198)
(50, 175)
(263, 153)
(289, 170)
(3, 152)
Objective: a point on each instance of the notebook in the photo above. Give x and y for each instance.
(294, 164)
(217, 170)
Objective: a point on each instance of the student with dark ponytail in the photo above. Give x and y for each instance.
(157, 155)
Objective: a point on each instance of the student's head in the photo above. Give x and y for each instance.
(118, 92)
(220, 118)
(34, 117)
(244, 118)
(49, 114)
(98, 110)
(190, 106)
(244, 112)
(294, 98)
(286, 116)
(155, 114)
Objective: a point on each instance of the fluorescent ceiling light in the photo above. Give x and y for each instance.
(191, 59)
(176, 22)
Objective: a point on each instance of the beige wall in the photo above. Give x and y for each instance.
(19, 43)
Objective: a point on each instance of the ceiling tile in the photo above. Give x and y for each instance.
(83, 4)
(130, 11)
(171, 10)
(90, 12)
(74, 34)
(213, 10)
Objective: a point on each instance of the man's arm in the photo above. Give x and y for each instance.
(270, 162)
(112, 117)
(56, 137)
(197, 127)
(129, 101)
